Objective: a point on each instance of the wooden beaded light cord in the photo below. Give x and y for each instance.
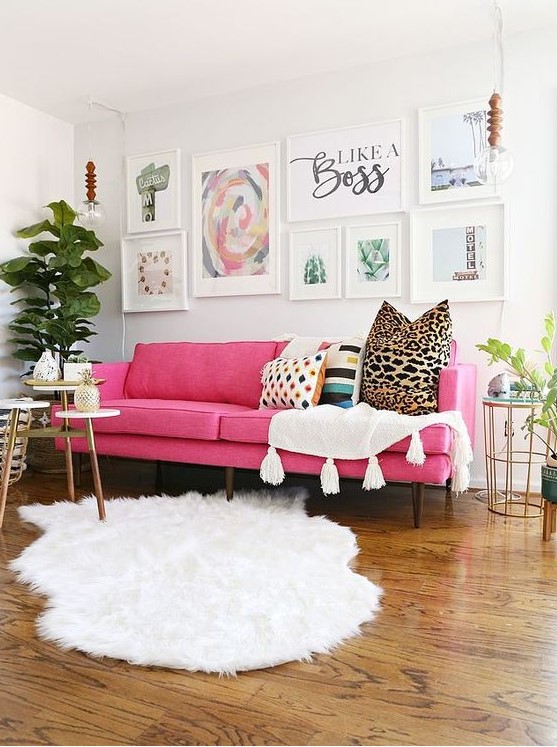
(90, 180)
(494, 163)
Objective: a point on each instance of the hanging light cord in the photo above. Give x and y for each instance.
(122, 117)
(498, 62)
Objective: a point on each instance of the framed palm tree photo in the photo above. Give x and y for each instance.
(373, 261)
(450, 139)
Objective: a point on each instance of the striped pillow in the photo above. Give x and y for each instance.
(343, 373)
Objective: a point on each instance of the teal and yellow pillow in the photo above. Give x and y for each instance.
(343, 373)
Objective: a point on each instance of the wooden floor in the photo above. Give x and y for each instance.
(463, 651)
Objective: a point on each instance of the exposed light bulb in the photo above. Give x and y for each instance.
(91, 214)
(493, 165)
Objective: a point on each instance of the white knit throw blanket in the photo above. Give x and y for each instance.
(359, 432)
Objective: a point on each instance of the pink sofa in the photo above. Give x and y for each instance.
(197, 403)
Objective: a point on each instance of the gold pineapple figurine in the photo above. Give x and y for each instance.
(87, 396)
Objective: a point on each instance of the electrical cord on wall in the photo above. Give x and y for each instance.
(122, 117)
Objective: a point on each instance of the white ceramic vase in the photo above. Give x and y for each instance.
(46, 368)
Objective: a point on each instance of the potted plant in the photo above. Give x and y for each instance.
(52, 281)
(538, 383)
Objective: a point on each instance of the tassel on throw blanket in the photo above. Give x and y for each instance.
(360, 432)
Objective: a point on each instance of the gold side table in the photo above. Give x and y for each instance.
(510, 456)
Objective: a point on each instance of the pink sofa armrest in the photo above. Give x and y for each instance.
(115, 375)
(458, 391)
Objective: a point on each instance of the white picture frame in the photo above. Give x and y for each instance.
(450, 138)
(459, 253)
(372, 260)
(315, 264)
(153, 191)
(356, 170)
(236, 221)
(154, 272)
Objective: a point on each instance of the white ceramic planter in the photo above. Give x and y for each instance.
(73, 371)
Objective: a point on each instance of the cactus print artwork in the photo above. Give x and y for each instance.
(315, 270)
(373, 260)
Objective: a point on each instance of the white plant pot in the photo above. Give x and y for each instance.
(73, 371)
(46, 368)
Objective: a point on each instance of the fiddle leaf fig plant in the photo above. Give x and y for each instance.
(538, 382)
(52, 281)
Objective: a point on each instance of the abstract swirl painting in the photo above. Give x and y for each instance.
(235, 205)
(235, 221)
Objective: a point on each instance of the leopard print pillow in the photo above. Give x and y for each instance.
(403, 359)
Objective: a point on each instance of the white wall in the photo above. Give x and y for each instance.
(379, 92)
(36, 153)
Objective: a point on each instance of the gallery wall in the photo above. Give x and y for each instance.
(381, 92)
(36, 153)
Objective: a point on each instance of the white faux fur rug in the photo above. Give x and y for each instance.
(196, 582)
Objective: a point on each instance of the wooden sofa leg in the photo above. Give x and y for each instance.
(158, 476)
(229, 482)
(417, 502)
(448, 486)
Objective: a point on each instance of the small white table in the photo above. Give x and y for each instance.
(15, 406)
(103, 412)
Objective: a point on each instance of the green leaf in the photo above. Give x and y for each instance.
(88, 274)
(30, 231)
(550, 399)
(43, 247)
(62, 213)
(549, 322)
(85, 238)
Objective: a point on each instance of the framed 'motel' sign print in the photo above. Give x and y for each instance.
(353, 171)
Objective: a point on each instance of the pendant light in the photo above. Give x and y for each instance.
(494, 163)
(90, 213)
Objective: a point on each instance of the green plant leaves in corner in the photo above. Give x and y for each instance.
(52, 280)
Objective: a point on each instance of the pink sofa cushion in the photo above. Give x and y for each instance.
(247, 427)
(253, 427)
(228, 372)
(164, 417)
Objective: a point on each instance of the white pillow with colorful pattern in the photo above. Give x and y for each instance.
(293, 383)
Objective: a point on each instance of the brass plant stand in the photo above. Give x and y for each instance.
(510, 456)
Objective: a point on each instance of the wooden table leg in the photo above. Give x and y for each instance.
(547, 519)
(7, 466)
(95, 469)
(68, 450)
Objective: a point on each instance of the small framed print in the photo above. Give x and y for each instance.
(373, 261)
(154, 272)
(315, 264)
(153, 191)
(451, 137)
(458, 253)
